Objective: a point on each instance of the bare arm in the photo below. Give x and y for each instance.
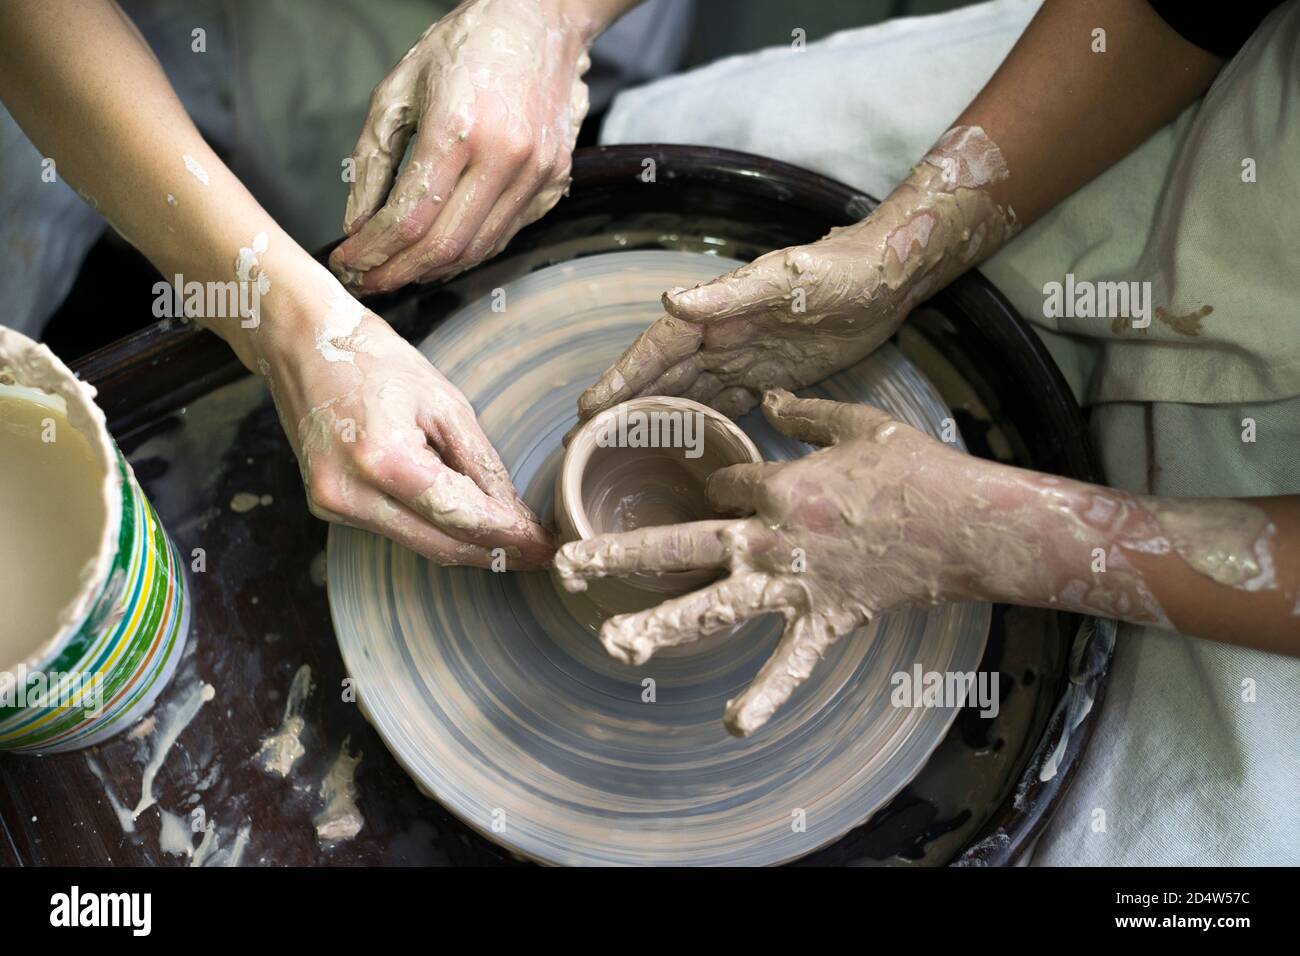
(885, 517)
(1052, 117)
(385, 442)
(1062, 114)
(88, 91)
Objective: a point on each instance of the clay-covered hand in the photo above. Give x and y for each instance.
(835, 538)
(493, 95)
(794, 316)
(387, 444)
(888, 517)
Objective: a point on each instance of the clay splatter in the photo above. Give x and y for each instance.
(196, 170)
(207, 846)
(340, 820)
(175, 837)
(236, 856)
(1189, 324)
(282, 749)
(174, 725)
(246, 501)
(124, 816)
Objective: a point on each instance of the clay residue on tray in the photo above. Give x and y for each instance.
(341, 819)
(169, 731)
(280, 750)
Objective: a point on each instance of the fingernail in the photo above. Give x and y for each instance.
(590, 401)
(352, 223)
(673, 297)
(702, 300)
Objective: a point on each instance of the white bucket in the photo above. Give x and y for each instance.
(97, 607)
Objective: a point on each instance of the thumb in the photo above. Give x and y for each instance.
(390, 123)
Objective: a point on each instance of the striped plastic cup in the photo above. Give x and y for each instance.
(99, 604)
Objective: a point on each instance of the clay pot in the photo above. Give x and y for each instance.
(642, 463)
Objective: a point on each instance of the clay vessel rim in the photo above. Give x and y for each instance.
(583, 445)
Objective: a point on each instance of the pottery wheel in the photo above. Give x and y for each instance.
(505, 708)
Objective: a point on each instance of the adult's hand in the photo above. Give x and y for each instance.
(384, 440)
(492, 95)
(386, 443)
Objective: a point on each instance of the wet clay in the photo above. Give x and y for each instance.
(489, 66)
(386, 443)
(1228, 541)
(613, 479)
(885, 517)
(70, 483)
(51, 525)
(622, 493)
(791, 317)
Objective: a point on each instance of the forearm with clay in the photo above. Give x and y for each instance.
(1202, 566)
(384, 441)
(794, 316)
(886, 517)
